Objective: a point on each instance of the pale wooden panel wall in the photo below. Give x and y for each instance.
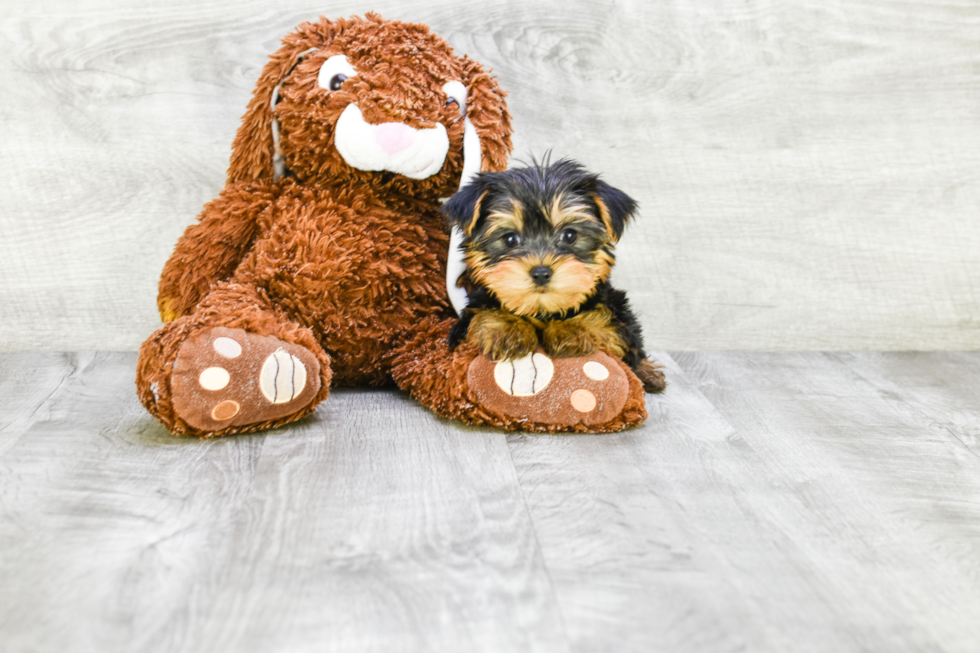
(807, 170)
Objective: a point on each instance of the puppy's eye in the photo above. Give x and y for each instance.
(451, 101)
(569, 236)
(334, 72)
(511, 239)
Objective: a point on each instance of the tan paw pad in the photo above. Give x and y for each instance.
(583, 401)
(225, 411)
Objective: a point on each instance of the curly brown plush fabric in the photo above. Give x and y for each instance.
(347, 263)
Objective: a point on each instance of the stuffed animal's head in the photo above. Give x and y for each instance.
(365, 100)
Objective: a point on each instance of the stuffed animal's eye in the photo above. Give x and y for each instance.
(569, 236)
(455, 94)
(511, 239)
(334, 72)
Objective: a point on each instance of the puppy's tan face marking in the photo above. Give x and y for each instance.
(509, 218)
(541, 239)
(562, 234)
(567, 211)
(605, 216)
(510, 280)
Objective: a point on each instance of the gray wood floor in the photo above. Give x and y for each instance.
(772, 502)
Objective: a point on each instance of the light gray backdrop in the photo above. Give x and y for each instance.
(807, 171)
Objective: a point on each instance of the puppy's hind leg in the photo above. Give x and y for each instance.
(651, 375)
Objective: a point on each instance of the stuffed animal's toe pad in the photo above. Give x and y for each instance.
(229, 377)
(559, 392)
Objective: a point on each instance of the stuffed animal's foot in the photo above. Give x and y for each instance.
(584, 393)
(226, 377)
(596, 393)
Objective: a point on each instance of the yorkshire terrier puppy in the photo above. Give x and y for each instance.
(539, 250)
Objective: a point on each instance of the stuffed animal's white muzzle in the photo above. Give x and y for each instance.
(391, 146)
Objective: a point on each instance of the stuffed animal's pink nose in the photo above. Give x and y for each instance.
(394, 137)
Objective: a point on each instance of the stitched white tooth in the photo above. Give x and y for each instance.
(282, 378)
(524, 377)
(544, 369)
(299, 377)
(472, 153)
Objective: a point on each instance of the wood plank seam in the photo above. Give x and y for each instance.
(534, 530)
(913, 405)
(25, 422)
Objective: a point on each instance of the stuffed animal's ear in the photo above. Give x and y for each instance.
(253, 150)
(486, 108)
(463, 209)
(616, 208)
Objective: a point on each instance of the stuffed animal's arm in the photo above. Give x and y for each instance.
(211, 249)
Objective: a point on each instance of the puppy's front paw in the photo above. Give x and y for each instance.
(565, 339)
(501, 335)
(583, 334)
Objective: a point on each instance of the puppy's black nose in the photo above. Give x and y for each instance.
(541, 274)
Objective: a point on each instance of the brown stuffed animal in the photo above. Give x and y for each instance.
(323, 261)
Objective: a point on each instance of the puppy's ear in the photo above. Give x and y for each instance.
(463, 209)
(616, 208)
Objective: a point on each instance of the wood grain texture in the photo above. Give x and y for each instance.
(872, 513)
(372, 527)
(773, 502)
(939, 390)
(28, 383)
(635, 528)
(806, 170)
